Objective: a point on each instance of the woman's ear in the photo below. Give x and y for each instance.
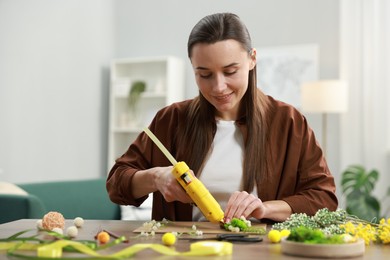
(253, 58)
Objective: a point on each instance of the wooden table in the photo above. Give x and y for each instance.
(263, 250)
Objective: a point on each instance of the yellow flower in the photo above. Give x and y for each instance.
(369, 232)
(349, 228)
(384, 231)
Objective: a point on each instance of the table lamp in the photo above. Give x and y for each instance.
(324, 97)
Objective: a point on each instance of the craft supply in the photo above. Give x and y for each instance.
(330, 251)
(78, 222)
(231, 237)
(192, 185)
(72, 231)
(274, 236)
(53, 220)
(103, 237)
(205, 227)
(55, 249)
(168, 239)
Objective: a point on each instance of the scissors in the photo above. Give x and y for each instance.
(229, 237)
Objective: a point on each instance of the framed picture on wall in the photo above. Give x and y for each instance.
(281, 70)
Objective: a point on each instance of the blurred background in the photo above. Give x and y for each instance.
(55, 61)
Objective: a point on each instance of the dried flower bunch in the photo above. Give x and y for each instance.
(325, 220)
(338, 223)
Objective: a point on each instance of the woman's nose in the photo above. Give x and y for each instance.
(220, 83)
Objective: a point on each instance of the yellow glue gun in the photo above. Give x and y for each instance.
(192, 185)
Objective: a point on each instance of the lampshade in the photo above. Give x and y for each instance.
(325, 96)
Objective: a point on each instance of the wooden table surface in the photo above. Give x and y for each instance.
(262, 250)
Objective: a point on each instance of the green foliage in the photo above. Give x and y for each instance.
(244, 226)
(357, 186)
(135, 91)
(324, 219)
(313, 236)
(241, 224)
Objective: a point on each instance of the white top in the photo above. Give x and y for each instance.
(222, 173)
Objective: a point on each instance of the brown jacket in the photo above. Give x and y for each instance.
(300, 177)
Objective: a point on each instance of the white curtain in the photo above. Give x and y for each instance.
(365, 64)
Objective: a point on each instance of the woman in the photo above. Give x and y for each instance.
(256, 155)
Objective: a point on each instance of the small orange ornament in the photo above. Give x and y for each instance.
(103, 237)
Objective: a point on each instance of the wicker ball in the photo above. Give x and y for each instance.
(53, 220)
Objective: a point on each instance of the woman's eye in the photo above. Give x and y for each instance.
(230, 72)
(205, 75)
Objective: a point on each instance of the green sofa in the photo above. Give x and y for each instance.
(76, 198)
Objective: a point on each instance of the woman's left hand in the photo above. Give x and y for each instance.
(241, 203)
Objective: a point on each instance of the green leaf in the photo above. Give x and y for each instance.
(357, 185)
(356, 178)
(370, 181)
(135, 92)
(351, 179)
(373, 202)
(364, 207)
(17, 236)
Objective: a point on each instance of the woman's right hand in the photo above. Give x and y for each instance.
(166, 183)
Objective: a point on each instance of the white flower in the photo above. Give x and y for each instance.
(144, 234)
(147, 224)
(193, 227)
(199, 232)
(347, 238)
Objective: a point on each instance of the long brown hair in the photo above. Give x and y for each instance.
(198, 131)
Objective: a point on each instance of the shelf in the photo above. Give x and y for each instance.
(164, 84)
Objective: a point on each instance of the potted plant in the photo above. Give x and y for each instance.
(134, 95)
(357, 186)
